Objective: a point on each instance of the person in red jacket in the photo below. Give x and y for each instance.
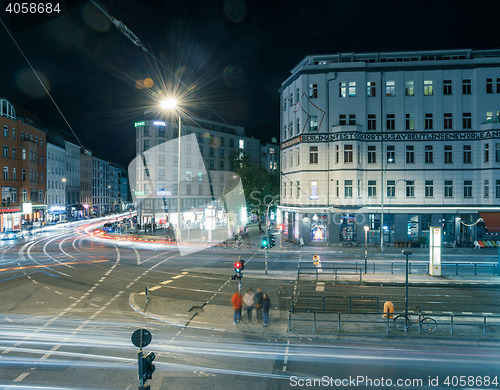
(236, 301)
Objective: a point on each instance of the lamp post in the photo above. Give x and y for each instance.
(406, 253)
(366, 227)
(171, 104)
(384, 171)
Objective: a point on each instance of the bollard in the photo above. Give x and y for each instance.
(388, 309)
(456, 269)
(339, 323)
(451, 323)
(373, 267)
(475, 268)
(392, 268)
(289, 321)
(484, 325)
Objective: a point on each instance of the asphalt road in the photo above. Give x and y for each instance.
(66, 324)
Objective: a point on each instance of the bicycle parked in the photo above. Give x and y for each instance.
(404, 321)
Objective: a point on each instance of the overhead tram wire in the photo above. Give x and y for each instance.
(136, 41)
(41, 82)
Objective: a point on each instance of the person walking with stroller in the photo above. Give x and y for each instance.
(248, 303)
(236, 301)
(266, 305)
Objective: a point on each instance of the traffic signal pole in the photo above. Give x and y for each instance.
(267, 235)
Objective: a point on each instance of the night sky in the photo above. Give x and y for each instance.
(232, 55)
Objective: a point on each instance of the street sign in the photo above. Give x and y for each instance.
(141, 338)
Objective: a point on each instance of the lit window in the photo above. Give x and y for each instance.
(352, 88)
(428, 88)
(390, 88)
(370, 88)
(409, 88)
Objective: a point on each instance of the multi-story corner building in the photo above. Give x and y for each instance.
(412, 138)
(100, 186)
(23, 160)
(115, 174)
(86, 180)
(56, 183)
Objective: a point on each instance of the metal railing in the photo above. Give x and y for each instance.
(373, 321)
(330, 268)
(305, 303)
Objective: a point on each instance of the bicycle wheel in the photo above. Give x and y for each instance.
(428, 324)
(400, 320)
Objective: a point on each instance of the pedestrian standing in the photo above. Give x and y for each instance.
(236, 301)
(258, 304)
(248, 303)
(282, 296)
(266, 305)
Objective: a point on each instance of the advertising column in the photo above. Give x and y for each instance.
(435, 251)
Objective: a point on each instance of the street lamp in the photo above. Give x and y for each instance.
(171, 104)
(366, 227)
(406, 253)
(389, 160)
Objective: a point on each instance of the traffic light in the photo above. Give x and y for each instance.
(264, 243)
(242, 264)
(271, 241)
(238, 266)
(147, 366)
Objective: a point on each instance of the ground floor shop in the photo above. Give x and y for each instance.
(323, 228)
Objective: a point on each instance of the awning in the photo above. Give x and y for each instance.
(491, 220)
(77, 206)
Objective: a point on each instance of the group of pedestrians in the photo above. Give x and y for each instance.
(259, 301)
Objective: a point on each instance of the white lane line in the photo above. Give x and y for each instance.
(184, 273)
(57, 292)
(21, 377)
(154, 288)
(166, 282)
(177, 277)
(285, 360)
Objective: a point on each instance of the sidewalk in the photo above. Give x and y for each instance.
(217, 314)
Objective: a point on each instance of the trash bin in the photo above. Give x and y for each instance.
(388, 309)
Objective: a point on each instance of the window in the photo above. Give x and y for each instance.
(466, 86)
(429, 154)
(5, 151)
(448, 188)
(342, 120)
(6, 173)
(486, 153)
(284, 102)
(391, 122)
(284, 189)
(290, 130)
(313, 90)
(390, 88)
(146, 144)
(448, 120)
(284, 160)
(497, 189)
(428, 125)
(489, 85)
(352, 88)
(428, 88)
(200, 176)
(391, 154)
(486, 188)
(467, 154)
(313, 123)
(5, 131)
(336, 154)
(298, 125)
(410, 154)
(447, 87)
(221, 152)
(291, 158)
(212, 164)
(371, 88)
(352, 119)
(372, 154)
(25, 195)
(348, 188)
(14, 174)
(372, 122)
(348, 154)
(467, 188)
(298, 156)
(497, 153)
(429, 188)
(448, 154)
(221, 165)
(372, 188)
(410, 188)
(410, 122)
(313, 154)
(467, 120)
(409, 88)
(212, 152)
(342, 89)
(391, 188)
(23, 177)
(489, 117)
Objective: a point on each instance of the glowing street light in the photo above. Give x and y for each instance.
(171, 104)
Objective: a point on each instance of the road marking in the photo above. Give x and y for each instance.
(50, 265)
(166, 282)
(21, 377)
(467, 312)
(184, 273)
(487, 314)
(320, 286)
(285, 360)
(154, 288)
(177, 277)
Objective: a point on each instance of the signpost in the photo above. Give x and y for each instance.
(141, 338)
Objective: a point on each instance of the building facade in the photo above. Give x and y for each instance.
(56, 183)
(408, 138)
(100, 186)
(86, 180)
